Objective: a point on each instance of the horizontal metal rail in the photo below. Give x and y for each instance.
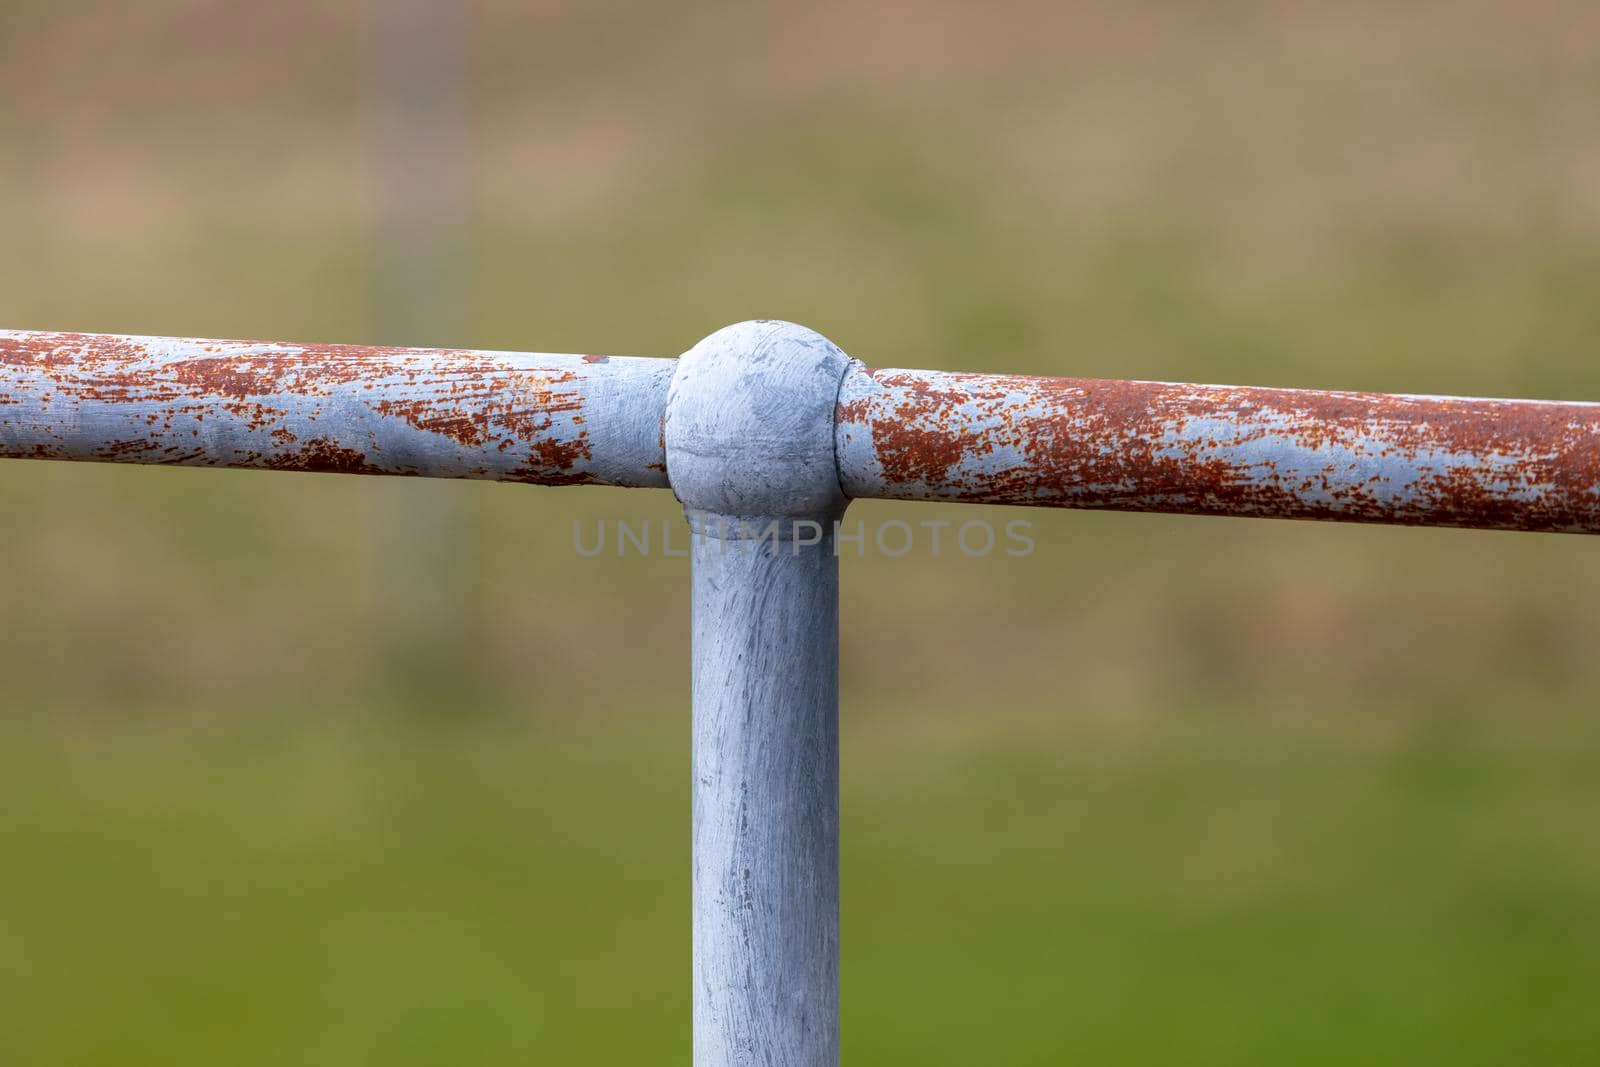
(1220, 450)
(541, 419)
(899, 434)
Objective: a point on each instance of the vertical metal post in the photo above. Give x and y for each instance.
(766, 802)
(749, 441)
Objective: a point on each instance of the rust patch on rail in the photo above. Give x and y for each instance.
(551, 462)
(322, 455)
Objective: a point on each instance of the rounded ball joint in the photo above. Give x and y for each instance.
(749, 427)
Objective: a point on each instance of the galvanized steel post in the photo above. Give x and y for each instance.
(749, 433)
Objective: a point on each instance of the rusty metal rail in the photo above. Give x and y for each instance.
(349, 409)
(1220, 450)
(899, 434)
(767, 423)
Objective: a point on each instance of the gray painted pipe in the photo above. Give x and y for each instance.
(766, 804)
(749, 436)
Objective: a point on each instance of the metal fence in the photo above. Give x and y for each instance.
(765, 431)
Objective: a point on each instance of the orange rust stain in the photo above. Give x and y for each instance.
(40, 350)
(534, 476)
(37, 450)
(126, 449)
(325, 456)
(489, 404)
(560, 455)
(465, 428)
(551, 462)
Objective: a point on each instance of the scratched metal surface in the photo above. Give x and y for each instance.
(750, 434)
(1220, 450)
(765, 853)
(541, 419)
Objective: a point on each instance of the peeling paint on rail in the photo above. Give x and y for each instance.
(1220, 450)
(540, 419)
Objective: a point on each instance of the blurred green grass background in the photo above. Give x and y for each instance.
(1169, 791)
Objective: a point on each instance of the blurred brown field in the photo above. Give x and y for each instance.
(1356, 752)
